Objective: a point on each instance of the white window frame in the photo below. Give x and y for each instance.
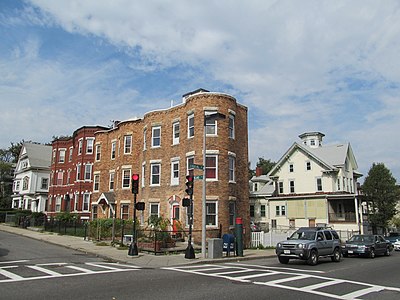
(76, 201)
(122, 213)
(153, 204)
(61, 155)
(155, 138)
(78, 171)
(71, 151)
(68, 177)
(60, 178)
(98, 153)
(190, 126)
(126, 178)
(292, 189)
(89, 145)
(58, 204)
(291, 168)
(144, 139)
(215, 214)
(308, 165)
(96, 182)
(231, 126)
(88, 172)
(127, 144)
(80, 146)
(189, 161)
(232, 168)
(143, 174)
(175, 172)
(113, 149)
(211, 127)
(214, 167)
(44, 183)
(175, 132)
(152, 174)
(111, 181)
(319, 187)
(86, 202)
(281, 187)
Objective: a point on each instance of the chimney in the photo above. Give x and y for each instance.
(259, 171)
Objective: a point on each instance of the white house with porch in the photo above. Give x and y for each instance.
(315, 184)
(32, 177)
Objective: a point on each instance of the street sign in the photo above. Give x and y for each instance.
(198, 167)
(198, 177)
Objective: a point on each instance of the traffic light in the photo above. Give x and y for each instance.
(140, 206)
(135, 183)
(189, 185)
(185, 202)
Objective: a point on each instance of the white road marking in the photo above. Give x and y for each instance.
(44, 270)
(13, 261)
(9, 274)
(365, 288)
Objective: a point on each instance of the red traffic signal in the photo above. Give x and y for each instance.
(135, 183)
(189, 184)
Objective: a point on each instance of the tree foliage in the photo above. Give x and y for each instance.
(382, 195)
(265, 164)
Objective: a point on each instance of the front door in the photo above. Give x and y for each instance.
(311, 222)
(175, 218)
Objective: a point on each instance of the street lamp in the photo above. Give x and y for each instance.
(207, 117)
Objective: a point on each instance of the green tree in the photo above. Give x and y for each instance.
(381, 194)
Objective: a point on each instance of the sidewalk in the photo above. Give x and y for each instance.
(142, 260)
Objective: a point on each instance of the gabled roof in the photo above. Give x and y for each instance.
(39, 155)
(329, 157)
(267, 189)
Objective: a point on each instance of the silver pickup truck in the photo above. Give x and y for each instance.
(309, 244)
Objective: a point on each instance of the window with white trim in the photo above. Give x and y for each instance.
(60, 178)
(211, 126)
(89, 145)
(291, 168)
(156, 137)
(124, 211)
(175, 133)
(113, 149)
(155, 209)
(211, 167)
(71, 151)
(308, 165)
(189, 162)
(58, 203)
(88, 172)
(262, 211)
(86, 201)
(45, 184)
(69, 177)
(319, 184)
(80, 146)
(78, 172)
(191, 126)
(155, 169)
(98, 152)
(231, 128)
(175, 172)
(280, 186)
(126, 178)
(76, 201)
(111, 181)
(211, 213)
(232, 163)
(143, 174)
(291, 186)
(61, 157)
(96, 182)
(144, 139)
(127, 144)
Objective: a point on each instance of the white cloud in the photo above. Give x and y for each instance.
(309, 65)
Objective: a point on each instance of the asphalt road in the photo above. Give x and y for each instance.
(31, 269)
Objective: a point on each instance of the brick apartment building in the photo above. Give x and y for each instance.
(71, 178)
(161, 147)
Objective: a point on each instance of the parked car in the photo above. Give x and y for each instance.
(396, 245)
(367, 245)
(393, 237)
(309, 244)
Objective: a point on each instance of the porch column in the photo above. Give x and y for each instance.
(357, 214)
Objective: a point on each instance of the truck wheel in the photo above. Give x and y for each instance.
(313, 259)
(283, 260)
(336, 255)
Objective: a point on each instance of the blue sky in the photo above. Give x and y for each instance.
(328, 66)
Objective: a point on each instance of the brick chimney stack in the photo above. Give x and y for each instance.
(259, 171)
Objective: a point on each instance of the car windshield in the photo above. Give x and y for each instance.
(362, 239)
(303, 235)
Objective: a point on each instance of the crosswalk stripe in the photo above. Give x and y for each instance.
(9, 274)
(362, 292)
(44, 270)
(80, 269)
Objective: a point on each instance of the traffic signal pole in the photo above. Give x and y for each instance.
(133, 249)
(189, 253)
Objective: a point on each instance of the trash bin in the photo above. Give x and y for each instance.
(214, 248)
(228, 244)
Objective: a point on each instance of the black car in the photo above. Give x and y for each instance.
(367, 245)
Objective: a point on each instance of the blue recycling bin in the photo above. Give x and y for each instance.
(228, 244)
